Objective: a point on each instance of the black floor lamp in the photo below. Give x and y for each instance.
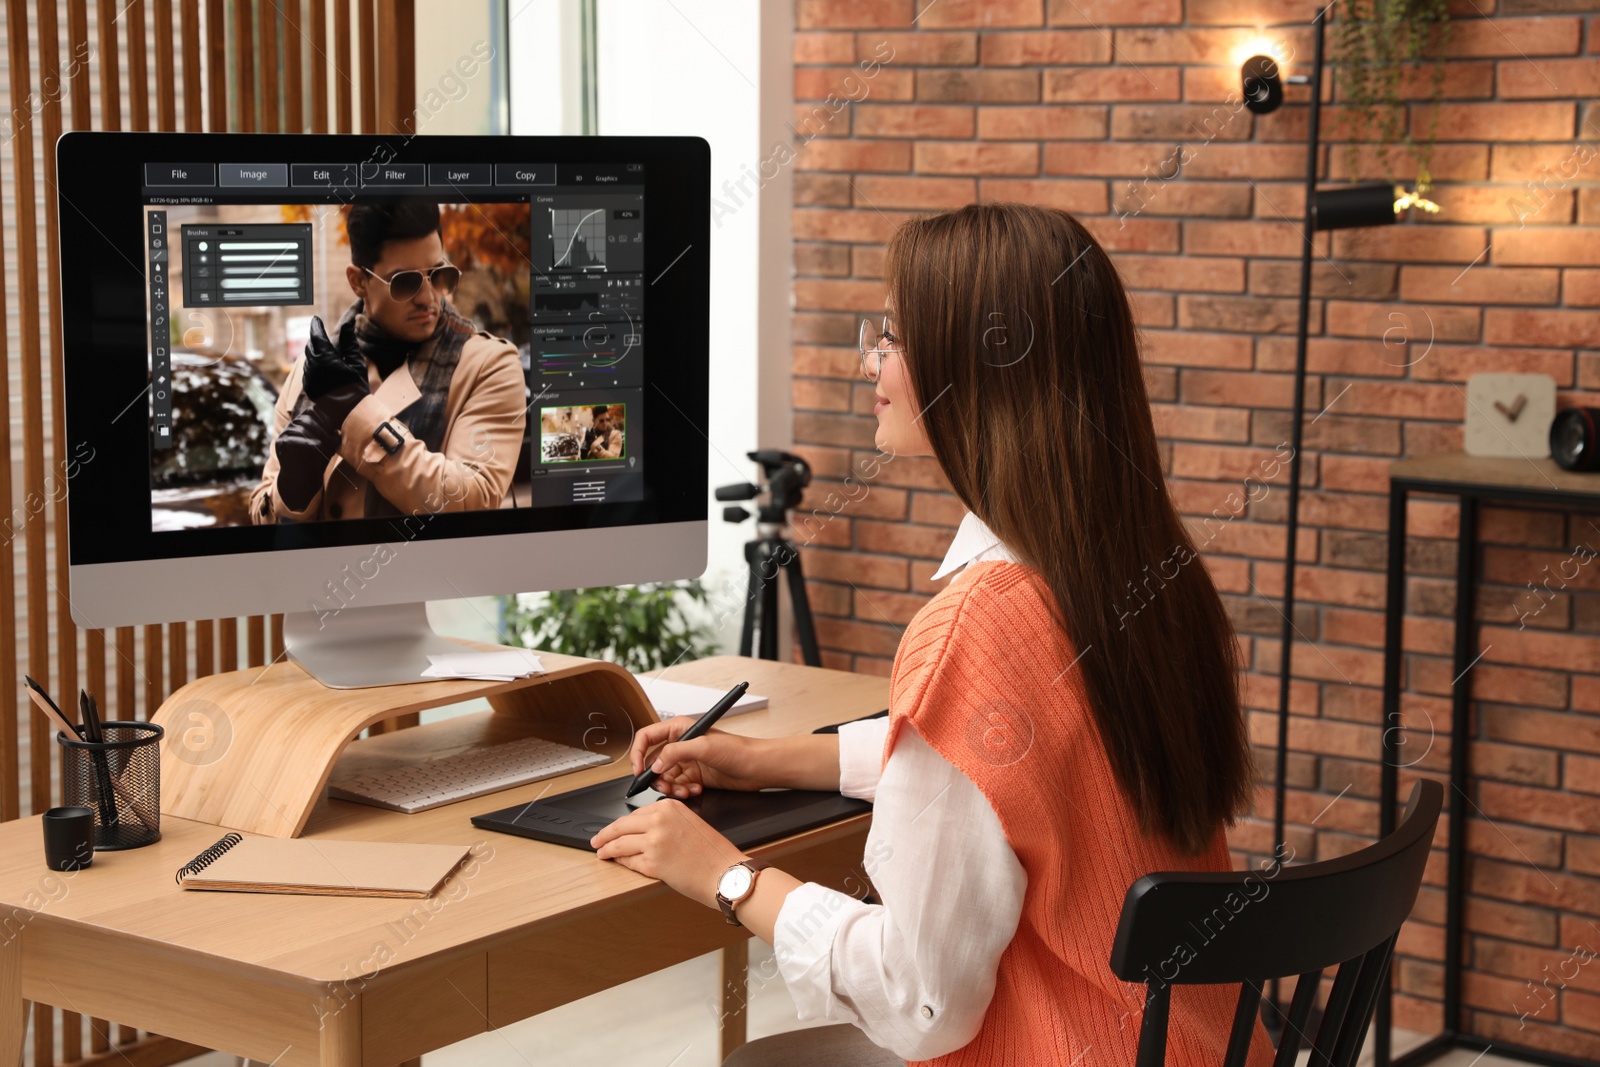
(1371, 204)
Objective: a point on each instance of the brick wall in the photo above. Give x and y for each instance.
(910, 106)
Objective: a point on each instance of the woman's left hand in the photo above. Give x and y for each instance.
(666, 840)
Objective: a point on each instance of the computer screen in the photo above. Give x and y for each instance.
(476, 364)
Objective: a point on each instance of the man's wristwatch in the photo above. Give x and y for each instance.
(736, 885)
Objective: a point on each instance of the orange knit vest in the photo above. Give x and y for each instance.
(983, 675)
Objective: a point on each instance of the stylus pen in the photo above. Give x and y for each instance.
(701, 725)
(97, 760)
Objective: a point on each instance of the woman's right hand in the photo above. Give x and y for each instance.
(716, 760)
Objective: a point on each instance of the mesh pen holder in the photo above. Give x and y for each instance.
(119, 779)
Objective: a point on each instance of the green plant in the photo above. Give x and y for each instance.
(640, 627)
(1377, 41)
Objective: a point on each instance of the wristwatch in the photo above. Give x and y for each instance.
(735, 885)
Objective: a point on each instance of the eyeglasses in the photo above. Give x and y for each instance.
(405, 284)
(874, 342)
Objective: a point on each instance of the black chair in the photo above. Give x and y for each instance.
(1248, 927)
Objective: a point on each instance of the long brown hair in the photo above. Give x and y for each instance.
(1021, 349)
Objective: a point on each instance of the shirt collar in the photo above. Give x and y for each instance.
(974, 542)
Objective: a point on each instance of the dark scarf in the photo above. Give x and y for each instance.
(433, 365)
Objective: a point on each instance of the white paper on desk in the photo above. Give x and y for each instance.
(501, 665)
(671, 699)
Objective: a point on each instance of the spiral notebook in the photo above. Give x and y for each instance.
(322, 868)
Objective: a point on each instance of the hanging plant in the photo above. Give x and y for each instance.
(1378, 40)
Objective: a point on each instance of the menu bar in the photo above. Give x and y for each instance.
(349, 178)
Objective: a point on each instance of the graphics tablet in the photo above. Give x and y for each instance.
(746, 819)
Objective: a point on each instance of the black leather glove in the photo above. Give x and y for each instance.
(336, 375)
(305, 448)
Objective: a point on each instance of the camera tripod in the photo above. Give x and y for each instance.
(787, 475)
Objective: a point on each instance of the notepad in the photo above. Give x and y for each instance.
(680, 698)
(321, 868)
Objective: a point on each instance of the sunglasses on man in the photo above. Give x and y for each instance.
(405, 284)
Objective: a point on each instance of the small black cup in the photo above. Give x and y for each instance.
(68, 838)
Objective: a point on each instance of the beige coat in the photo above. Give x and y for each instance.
(485, 415)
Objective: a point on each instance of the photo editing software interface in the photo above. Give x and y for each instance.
(242, 258)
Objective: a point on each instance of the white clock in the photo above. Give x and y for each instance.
(1509, 414)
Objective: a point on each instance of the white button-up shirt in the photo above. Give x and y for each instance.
(915, 973)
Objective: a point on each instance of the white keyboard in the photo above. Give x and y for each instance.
(420, 786)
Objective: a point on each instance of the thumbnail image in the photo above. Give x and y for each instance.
(582, 434)
(232, 355)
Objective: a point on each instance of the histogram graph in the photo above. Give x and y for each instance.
(578, 236)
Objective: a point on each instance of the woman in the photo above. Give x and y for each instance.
(1064, 716)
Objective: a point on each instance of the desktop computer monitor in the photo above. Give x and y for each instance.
(512, 395)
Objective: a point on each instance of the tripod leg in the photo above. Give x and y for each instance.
(752, 590)
(802, 606)
(769, 601)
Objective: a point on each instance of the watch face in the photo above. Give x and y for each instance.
(735, 883)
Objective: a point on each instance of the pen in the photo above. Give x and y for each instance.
(97, 760)
(701, 725)
(48, 707)
(91, 720)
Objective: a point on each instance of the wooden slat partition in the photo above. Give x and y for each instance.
(397, 66)
(228, 638)
(166, 86)
(51, 74)
(319, 67)
(255, 642)
(244, 61)
(10, 794)
(126, 707)
(369, 66)
(216, 66)
(293, 75)
(344, 85)
(204, 663)
(26, 268)
(268, 47)
(193, 74)
(195, 65)
(138, 81)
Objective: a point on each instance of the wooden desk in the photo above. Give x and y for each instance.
(300, 980)
(1472, 480)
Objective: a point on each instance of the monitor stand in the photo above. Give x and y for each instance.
(254, 749)
(356, 648)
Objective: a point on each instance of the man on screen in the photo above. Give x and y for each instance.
(602, 440)
(407, 409)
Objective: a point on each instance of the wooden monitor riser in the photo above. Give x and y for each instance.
(252, 750)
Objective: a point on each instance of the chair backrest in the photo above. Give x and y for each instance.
(1250, 926)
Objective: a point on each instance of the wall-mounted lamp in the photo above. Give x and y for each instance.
(1262, 61)
(1263, 85)
(1372, 204)
(1352, 206)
